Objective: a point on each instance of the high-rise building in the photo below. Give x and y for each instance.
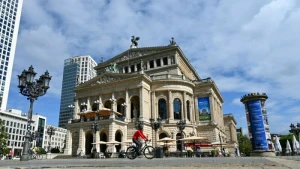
(78, 69)
(10, 14)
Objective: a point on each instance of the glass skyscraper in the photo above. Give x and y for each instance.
(78, 69)
(10, 14)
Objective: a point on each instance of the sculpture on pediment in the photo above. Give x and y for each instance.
(134, 42)
(112, 68)
(172, 42)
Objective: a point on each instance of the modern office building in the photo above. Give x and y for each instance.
(15, 123)
(10, 14)
(78, 69)
(146, 83)
(57, 139)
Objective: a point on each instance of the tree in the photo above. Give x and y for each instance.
(3, 138)
(244, 144)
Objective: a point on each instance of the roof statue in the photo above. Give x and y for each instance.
(134, 42)
(112, 68)
(172, 42)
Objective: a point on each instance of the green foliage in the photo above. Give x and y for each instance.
(283, 141)
(42, 150)
(3, 138)
(55, 150)
(213, 152)
(244, 144)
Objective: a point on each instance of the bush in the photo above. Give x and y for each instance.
(54, 150)
(42, 150)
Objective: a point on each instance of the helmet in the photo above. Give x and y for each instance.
(140, 127)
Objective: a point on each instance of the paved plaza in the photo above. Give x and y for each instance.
(172, 163)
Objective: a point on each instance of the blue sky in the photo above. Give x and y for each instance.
(245, 46)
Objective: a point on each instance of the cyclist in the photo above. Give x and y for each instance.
(139, 134)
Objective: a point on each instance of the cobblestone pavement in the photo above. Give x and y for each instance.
(162, 163)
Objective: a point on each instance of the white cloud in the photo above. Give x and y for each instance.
(245, 46)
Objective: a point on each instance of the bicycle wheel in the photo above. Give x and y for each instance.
(149, 152)
(131, 152)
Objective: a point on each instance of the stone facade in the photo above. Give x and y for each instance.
(139, 84)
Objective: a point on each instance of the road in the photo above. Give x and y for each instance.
(161, 163)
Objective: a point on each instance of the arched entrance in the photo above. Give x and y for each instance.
(162, 135)
(75, 143)
(178, 142)
(103, 137)
(107, 104)
(88, 142)
(118, 137)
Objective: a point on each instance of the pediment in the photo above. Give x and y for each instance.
(106, 78)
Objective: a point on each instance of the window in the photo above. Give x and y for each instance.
(162, 108)
(188, 110)
(151, 64)
(165, 60)
(158, 63)
(177, 108)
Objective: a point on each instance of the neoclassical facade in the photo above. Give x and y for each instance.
(144, 83)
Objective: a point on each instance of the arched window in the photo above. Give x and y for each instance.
(162, 108)
(177, 108)
(188, 110)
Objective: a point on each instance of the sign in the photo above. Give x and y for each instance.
(204, 108)
(259, 140)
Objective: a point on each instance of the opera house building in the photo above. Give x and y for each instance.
(144, 83)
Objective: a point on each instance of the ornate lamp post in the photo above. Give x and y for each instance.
(97, 102)
(112, 114)
(181, 125)
(83, 107)
(155, 126)
(50, 131)
(295, 128)
(124, 105)
(95, 128)
(71, 107)
(32, 90)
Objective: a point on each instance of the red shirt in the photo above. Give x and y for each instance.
(139, 134)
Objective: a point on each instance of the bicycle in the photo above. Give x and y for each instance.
(148, 151)
(34, 156)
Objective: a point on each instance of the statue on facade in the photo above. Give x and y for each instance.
(172, 42)
(134, 42)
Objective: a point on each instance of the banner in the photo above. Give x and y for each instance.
(257, 126)
(204, 108)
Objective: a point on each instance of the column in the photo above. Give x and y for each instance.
(97, 140)
(153, 110)
(100, 101)
(184, 105)
(211, 105)
(88, 100)
(171, 113)
(76, 109)
(127, 101)
(196, 109)
(81, 145)
(141, 103)
(112, 136)
(68, 149)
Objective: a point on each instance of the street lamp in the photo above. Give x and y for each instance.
(124, 105)
(71, 107)
(155, 126)
(181, 125)
(83, 107)
(50, 131)
(95, 128)
(295, 128)
(32, 90)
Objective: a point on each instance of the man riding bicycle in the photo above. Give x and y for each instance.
(139, 134)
